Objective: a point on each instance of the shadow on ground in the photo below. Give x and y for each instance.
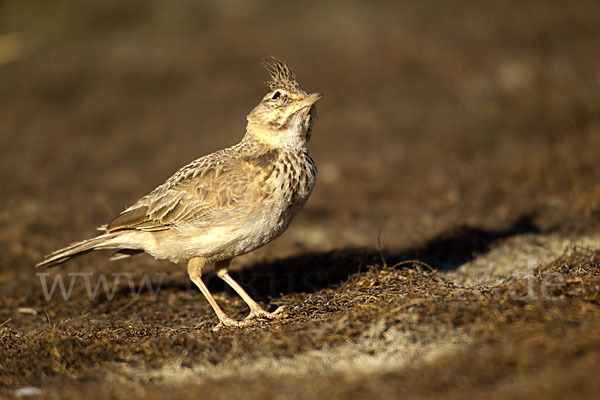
(311, 272)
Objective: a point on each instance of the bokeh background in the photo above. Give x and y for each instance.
(439, 117)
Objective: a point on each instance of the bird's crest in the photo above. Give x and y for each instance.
(282, 76)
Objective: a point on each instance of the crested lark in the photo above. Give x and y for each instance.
(227, 203)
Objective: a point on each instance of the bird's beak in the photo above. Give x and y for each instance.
(308, 101)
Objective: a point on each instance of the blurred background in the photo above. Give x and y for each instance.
(439, 117)
(436, 115)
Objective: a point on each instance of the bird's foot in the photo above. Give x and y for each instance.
(227, 322)
(259, 313)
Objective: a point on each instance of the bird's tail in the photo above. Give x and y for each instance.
(106, 241)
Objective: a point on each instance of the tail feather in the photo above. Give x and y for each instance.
(76, 249)
(124, 253)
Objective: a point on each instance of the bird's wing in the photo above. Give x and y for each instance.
(208, 191)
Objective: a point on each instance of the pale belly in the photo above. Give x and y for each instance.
(217, 243)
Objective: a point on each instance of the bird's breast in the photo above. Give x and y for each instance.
(292, 183)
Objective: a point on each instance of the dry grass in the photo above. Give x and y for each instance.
(462, 135)
(404, 331)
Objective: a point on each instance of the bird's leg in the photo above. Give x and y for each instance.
(256, 311)
(195, 272)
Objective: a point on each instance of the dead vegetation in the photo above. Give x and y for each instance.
(405, 330)
(465, 137)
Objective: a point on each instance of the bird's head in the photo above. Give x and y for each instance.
(284, 116)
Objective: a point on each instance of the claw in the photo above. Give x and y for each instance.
(226, 322)
(230, 323)
(260, 313)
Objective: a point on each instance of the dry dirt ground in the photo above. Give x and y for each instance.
(451, 246)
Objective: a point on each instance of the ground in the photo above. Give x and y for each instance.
(451, 246)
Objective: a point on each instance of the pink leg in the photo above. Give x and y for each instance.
(195, 272)
(256, 310)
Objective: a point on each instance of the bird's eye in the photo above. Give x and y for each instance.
(276, 95)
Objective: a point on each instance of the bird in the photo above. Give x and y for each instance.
(227, 203)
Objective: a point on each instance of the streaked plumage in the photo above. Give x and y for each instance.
(226, 203)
